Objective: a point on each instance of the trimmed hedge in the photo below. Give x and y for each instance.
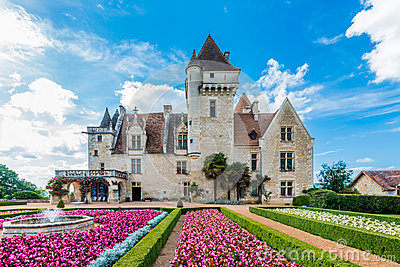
(27, 195)
(12, 215)
(304, 200)
(376, 243)
(222, 202)
(147, 250)
(358, 203)
(292, 248)
(12, 203)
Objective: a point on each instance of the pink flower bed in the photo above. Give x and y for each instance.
(13, 211)
(73, 248)
(209, 238)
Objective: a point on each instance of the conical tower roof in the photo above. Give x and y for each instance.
(105, 122)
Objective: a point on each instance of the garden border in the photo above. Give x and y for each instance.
(376, 243)
(13, 202)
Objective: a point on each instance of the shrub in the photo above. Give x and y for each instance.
(26, 195)
(349, 190)
(60, 204)
(179, 204)
(326, 199)
(12, 203)
(7, 197)
(376, 243)
(304, 200)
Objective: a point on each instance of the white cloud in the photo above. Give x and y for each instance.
(277, 83)
(359, 169)
(328, 152)
(43, 97)
(21, 33)
(149, 97)
(34, 135)
(381, 21)
(328, 41)
(365, 160)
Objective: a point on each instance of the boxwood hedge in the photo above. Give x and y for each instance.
(12, 203)
(375, 243)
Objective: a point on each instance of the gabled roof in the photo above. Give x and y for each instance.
(210, 57)
(243, 102)
(244, 124)
(388, 180)
(105, 122)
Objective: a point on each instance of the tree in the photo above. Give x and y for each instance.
(10, 182)
(260, 186)
(237, 174)
(335, 177)
(214, 165)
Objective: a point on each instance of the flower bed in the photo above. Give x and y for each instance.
(359, 222)
(209, 238)
(73, 248)
(13, 211)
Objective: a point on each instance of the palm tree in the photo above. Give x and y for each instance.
(214, 165)
(237, 174)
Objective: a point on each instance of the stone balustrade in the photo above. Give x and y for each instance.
(92, 173)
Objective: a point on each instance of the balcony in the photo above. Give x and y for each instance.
(93, 173)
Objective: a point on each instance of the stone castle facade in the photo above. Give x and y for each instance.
(158, 155)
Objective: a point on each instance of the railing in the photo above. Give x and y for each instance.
(99, 129)
(93, 173)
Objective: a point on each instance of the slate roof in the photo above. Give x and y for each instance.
(210, 57)
(154, 130)
(105, 122)
(243, 102)
(115, 118)
(244, 124)
(388, 180)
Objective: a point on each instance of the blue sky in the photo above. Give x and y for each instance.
(63, 62)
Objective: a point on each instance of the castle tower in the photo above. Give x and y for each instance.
(211, 85)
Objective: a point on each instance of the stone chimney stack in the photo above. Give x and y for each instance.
(254, 110)
(167, 109)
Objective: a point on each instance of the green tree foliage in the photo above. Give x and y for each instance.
(60, 204)
(27, 195)
(11, 184)
(214, 165)
(335, 177)
(234, 174)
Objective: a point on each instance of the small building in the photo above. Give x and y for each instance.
(377, 183)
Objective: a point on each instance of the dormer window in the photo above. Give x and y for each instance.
(136, 142)
(211, 74)
(253, 135)
(182, 141)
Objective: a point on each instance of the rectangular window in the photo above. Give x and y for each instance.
(96, 152)
(135, 184)
(286, 133)
(253, 162)
(99, 138)
(286, 161)
(102, 166)
(211, 75)
(182, 141)
(287, 189)
(212, 108)
(186, 186)
(136, 166)
(136, 142)
(181, 167)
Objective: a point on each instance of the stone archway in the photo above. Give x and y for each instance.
(74, 194)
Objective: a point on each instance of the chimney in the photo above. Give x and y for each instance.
(254, 110)
(226, 55)
(167, 109)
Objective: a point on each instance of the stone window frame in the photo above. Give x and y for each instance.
(136, 166)
(212, 75)
(95, 153)
(102, 166)
(136, 184)
(99, 138)
(284, 184)
(252, 159)
(186, 188)
(179, 167)
(182, 145)
(213, 108)
(136, 142)
(286, 133)
(286, 160)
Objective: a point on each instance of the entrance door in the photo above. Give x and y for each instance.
(136, 193)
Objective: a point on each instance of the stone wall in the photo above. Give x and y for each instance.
(366, 186)
(301, 147)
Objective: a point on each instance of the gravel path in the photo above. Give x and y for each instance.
(167, 253)
(354, 255)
